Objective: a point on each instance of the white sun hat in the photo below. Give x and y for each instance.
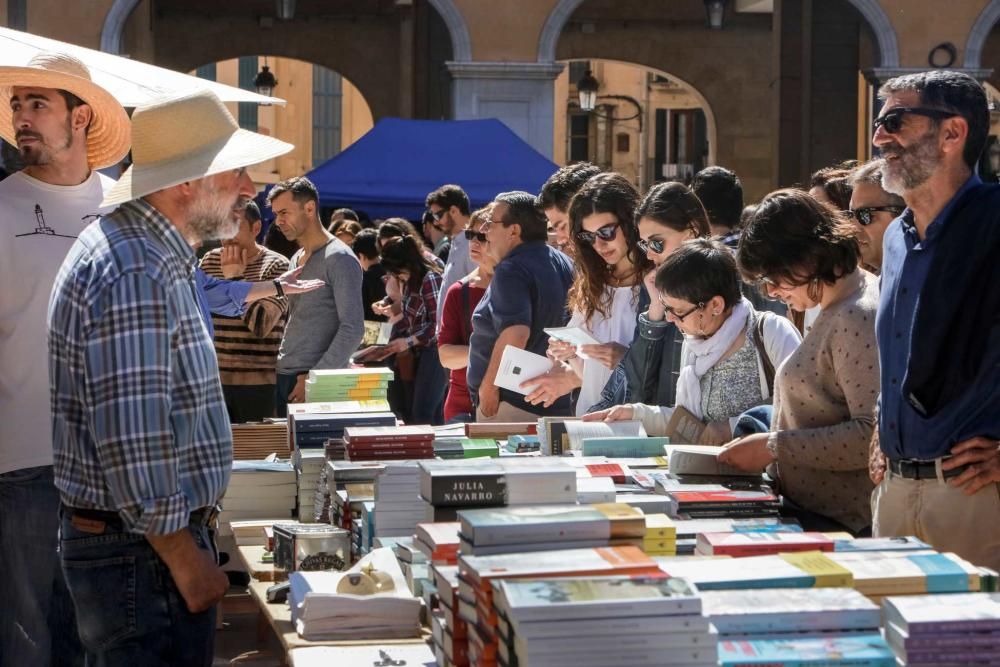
(183, 138)
(108, 135)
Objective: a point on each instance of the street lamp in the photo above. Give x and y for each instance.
(715, 11)
(285, 9)
(587, 87)
(265, 82)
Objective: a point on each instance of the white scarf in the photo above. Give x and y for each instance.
(701, 354)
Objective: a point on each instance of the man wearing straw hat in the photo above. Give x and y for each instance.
(65, 128)
(142, 444)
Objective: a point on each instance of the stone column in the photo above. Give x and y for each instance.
(521, 94)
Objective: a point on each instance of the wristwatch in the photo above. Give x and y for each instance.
(278, 289)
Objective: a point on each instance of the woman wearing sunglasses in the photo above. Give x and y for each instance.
(460, 301)
(806, 254)
(730, 350)
(415, 325)
(604, 297)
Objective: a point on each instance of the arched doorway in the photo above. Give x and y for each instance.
(648, 125)
(324, 114)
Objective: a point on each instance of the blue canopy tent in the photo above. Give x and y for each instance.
(389, 171)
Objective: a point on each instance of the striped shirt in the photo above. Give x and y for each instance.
(247, 346)
(139, 422)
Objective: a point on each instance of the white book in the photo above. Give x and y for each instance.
(411, 655)
(517, 366)
(577, 431)
(573, 335)
(621, 628)
(789, 610)
(593, 490)
(701, 460)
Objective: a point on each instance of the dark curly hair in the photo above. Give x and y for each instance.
(562, 185)
(700, 270)
(676, 206)
(793, 238)
(603, 193)
(836, 182)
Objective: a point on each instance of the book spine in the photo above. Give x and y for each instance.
(387, 438)
(467, 491)
(539, 532)
(767, 549)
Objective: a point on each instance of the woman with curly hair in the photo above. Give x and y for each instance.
(604, 298)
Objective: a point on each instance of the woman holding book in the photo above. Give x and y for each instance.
(415, 325)
(604, 298)
(805, 254)
(730, 350)
(456, 320)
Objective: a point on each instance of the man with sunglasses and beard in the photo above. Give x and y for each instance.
(449, 211)
(938, 322)
(871, 211)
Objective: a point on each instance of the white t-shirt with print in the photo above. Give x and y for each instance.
(38, 224)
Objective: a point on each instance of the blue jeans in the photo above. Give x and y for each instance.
(754, 420)
(429, 388)
(37, 626)
(130, 612)
(282, 388)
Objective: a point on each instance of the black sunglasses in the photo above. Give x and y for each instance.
(437, 215)
(605, 233)
(473, 235)
(864, 214)
(892, 120)
(654, 245)
(670, 311)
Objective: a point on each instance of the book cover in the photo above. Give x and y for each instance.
(464, 488)
(617, 473)
(701, 460)
(660, 526)
(827, 573)
(467, 547)
(755, 611)
(866, 650)
(500, 430)
(760, 544)
(881, 544)
(388, 434)
(518, 366)
(631, 447)
(923, 615)
(602, 560)
(722, 574)
(534, 523)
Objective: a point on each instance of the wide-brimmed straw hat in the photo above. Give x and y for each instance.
(183, 138)
(108, 135)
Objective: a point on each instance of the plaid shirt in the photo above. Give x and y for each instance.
(139, 422)
(420, 311)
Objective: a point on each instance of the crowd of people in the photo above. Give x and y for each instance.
(842, 335)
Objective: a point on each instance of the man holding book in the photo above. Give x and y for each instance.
(527, 295)
(937, 324)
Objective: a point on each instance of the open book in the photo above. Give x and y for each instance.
(701, 460)
(577, 431)
(684, 426)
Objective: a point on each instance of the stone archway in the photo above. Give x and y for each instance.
(885, 34)
(980, 32)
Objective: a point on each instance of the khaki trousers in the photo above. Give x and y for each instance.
(941, 515)
(507, 413)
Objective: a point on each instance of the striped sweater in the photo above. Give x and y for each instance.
(247, 346)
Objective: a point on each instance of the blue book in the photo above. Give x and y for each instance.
(625, 447)
(865, 650)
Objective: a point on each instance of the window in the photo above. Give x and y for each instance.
(248, 110)
(327, 95)
(577, 69)
(206, 72)
(579, 137)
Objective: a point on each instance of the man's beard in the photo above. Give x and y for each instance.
(913, 166)
(211, 216)
(40, 153)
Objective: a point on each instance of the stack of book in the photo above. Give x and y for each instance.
(660, 538)
(689, 529)
(710, 501)
(592, 490)
(347, 504)
(522, 444)
(450, 631)
(348, 384)
(810, 569)
(958, 629)
(448, 486)
(524, 529)
(309, 464)
(370, 601)
(257, 441)
(386, 443)
(881, 573)
(438, 542)
(600, 621)
(398, 508)
(259, 490)
(477, 573)
(309, 427)
(760, 544)
(335, 476)
(804, 626)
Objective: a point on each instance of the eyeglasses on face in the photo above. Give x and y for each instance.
(605, 233)
(892, 120)
(864, 214)
(678, 316)
(473, 235)
(655, 246)
(437, 215)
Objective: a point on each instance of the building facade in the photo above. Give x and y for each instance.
(775, 90)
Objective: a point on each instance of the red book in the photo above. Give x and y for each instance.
(386, 454)
(372, 434)
(760, 544)
(364, 445)
(612, 470)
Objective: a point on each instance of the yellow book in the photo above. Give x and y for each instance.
(828, 574)
(660, 526)
(626, 521)
(659, 545)
(363, 394)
